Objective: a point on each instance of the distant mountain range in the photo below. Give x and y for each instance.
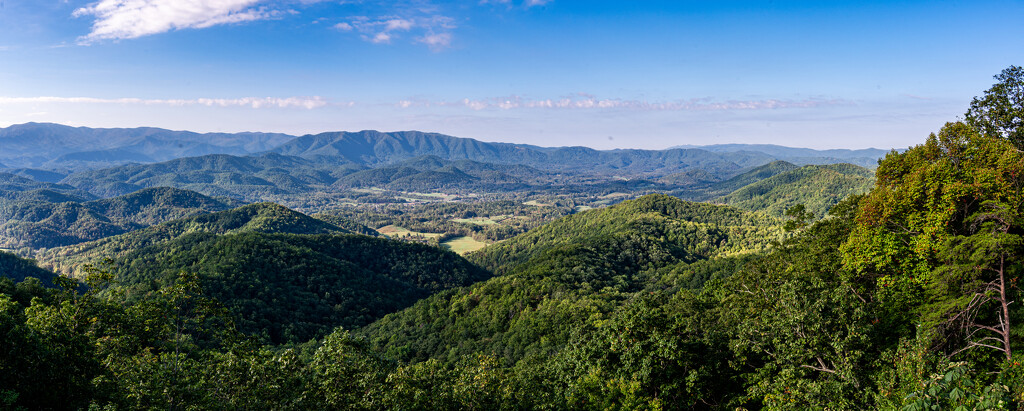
(55, 146)
(373, 148)
(54, 163)
(865, 157)
(45, 151)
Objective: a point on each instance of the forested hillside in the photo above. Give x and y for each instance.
(682, 231)
(707, 187)
(17, 269)
(376, 148)
(251, 177)
(55, 222)
(816, 187)
(17, 188)
(261, 218)
(428, 173)
(566, 272)
(295, 287)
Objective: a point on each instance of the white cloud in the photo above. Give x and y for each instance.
(382, 37)
(398, 24)
(531, 3)
(582, 101)
(433, 30)
(128, 19)
(525, 3)
(252, 102)
(436, 41)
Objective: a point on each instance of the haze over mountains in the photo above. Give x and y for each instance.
(864, 157)
(54, 147)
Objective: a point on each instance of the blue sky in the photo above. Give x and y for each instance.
(605, 74)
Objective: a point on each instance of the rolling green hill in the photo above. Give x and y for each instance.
(261, 218)
(43, 225)
(701, 186)
(817, 187)
(47, 224)
(249, 178)
(702, 230)
(159, 204)
(428, 173)
(17, 269)
(18, 188)
(294, 287)
(750, 177)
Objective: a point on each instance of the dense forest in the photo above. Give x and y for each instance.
(903, 295)
(261, 218)
(45, 223)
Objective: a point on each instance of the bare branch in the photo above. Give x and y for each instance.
(988, 346)
(819, 369)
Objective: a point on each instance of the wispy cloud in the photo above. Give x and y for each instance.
(433, 30)
(252, 102)
(582, 101)
(436, 41)
(128, 19)
(525, 3)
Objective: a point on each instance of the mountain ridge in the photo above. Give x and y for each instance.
(59, 147)
(260, 217)
(45, 221)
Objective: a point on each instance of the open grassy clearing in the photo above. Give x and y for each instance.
(463, 245)
(394, 231)
(367, 190)
(442, 196)
(492, 220)
(614, 195)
